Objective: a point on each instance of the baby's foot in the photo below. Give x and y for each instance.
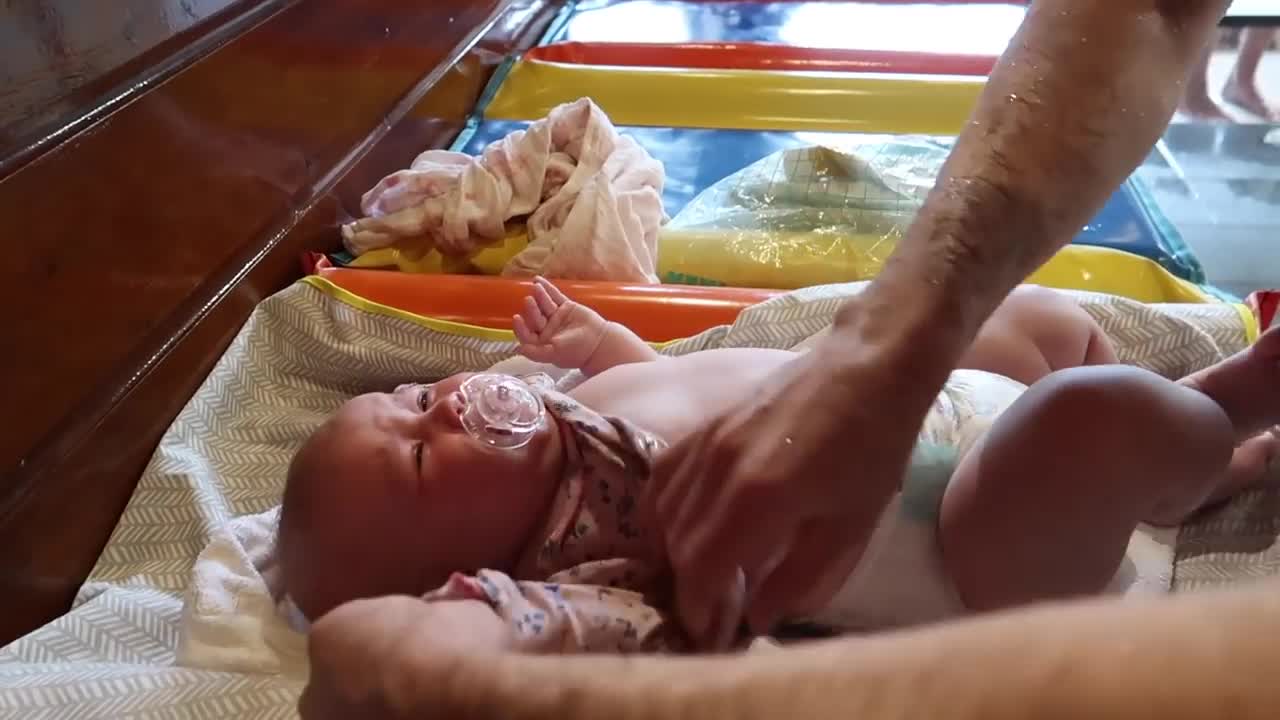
(1250, 466)
(1246, 385)
(1246, 95)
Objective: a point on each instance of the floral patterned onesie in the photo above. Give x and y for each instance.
(594, 580)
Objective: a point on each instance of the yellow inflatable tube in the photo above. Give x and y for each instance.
(1115, 272)
(743, 99)
(786, 261)
(794, 260)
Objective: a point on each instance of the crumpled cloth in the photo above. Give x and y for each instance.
(235, 616)
(593, 198)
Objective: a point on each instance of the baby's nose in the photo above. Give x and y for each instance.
(446, 410)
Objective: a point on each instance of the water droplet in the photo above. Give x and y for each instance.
(1013, 97)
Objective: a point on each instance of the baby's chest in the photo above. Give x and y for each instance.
(674, 397)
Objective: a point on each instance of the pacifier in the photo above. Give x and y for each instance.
(501, 411)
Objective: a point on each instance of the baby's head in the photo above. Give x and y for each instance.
(392, 494)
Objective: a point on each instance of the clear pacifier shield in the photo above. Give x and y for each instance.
(502, 411)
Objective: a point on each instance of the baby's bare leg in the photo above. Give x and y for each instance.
(1044, 505)
(1034, 332)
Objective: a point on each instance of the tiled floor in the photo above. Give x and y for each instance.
(1220, 186)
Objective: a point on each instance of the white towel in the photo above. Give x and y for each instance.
(234, 615)
(593, 199)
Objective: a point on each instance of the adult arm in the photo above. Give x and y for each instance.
(1200, 655)
(803, 467)
(1073, 106)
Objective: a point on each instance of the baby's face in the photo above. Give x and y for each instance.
(399, 470)
(421, 426)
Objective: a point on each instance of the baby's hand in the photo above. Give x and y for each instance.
(554, 329)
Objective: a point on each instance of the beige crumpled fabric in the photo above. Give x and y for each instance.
(593, 198)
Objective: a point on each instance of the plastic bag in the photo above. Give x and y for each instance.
(805, 216)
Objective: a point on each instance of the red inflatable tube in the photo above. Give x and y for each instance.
(657, 313)
(761, 56)
(1266, 306)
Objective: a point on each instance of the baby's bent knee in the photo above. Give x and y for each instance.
(1135, 409)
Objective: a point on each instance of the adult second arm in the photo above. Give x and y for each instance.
(1075, 103)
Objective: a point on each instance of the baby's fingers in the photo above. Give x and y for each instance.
(533, 316)
(539, 353)
(523, 335)
(547, 305)
(551, 289)
(529, 345)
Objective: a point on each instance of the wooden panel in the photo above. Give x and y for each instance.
(149, 238)
(64, 60)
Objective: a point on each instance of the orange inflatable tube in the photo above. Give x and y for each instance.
(657, 313)
(761, 56)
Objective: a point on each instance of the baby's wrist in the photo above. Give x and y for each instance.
(602, 338)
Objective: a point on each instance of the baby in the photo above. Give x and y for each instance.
(515, 510)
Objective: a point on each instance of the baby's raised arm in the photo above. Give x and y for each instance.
(542, 617)
(554, 329)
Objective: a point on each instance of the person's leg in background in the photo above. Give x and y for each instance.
(1242, 85)
(1196, 102)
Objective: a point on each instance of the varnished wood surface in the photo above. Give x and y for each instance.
(148, 238)
(64, 61)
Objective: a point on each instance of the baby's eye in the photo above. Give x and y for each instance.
(424, 398)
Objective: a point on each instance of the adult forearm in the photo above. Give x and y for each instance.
(1195, 656)
(1083, 91)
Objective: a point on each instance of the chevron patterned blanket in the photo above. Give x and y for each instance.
(308, 348)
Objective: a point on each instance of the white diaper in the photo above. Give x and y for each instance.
(900, 580)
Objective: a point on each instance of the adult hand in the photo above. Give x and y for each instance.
(788, 485)
(388, 657)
